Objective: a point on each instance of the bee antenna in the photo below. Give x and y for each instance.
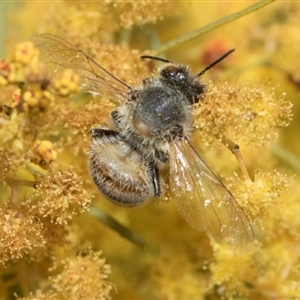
(214, 63)
(155, 58)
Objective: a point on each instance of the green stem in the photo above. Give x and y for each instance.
(210, 27)
(286, 156)
(116, 226)
(20, 182)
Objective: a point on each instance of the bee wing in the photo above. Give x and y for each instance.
(59, 54)
(203, 200)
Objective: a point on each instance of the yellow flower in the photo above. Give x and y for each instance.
(25, 53)
(243, 112)
(43, 153)
(66, 83)
(36, 100)
(20, 231)
(93, 285)
(60, 195)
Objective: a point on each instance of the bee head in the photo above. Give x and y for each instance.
(180, 77)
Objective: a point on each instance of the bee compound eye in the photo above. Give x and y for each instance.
(120, 172)
(168, 71)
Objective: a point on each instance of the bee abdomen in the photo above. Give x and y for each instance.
(119, 171)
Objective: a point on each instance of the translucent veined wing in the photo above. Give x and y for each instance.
(59, 54)
(203, 200)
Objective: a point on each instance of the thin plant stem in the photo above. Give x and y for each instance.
(235, 149)
(210, 27)
(116, 226)
(285, 155)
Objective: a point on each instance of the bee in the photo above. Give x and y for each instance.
(152, 128)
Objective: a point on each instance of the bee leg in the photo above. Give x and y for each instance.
(161, 156)
(155, 179)
(98, 132)
(116, 117)
(235, 149)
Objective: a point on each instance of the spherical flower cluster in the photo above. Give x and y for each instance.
(26, 72)
(231, 278)
(258, 196)
(43, 153)
(78, 276)
(60, 195)
(243, 112)
(142, 12)
(25, 53)
(36, 100)
(17, 69)
(20, 231)
(94, 286)
(66, 83)
(11, 72)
